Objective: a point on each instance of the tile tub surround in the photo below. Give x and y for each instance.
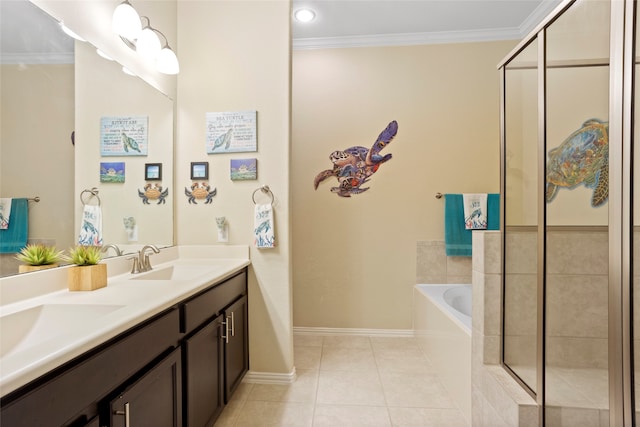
(137, 301)
(348, 380)
(433, 266)
(497, 400)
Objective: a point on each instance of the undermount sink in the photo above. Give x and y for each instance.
(25, 328)
(177, 272)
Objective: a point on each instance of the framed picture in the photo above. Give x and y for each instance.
(112, 172)
(124, 135)
(231, 132)
(153, 171)
(199, 170)
(244, 169)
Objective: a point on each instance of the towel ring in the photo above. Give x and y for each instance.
(92, 193)
(266, 190)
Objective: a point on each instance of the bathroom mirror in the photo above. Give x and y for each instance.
(65, 89)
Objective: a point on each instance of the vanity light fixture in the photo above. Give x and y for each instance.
(126, 21)
(304, 15)
(166, 60)
(146, 41)
(70, 33)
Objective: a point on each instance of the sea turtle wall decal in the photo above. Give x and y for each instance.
(582, 158)
(353, 166)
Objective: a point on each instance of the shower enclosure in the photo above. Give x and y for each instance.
(568, 129)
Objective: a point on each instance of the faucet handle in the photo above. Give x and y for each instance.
(136, 265)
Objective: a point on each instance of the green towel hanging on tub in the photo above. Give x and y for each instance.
(457, 239)
(14, 238)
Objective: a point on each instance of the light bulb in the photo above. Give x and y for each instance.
(148, 43)
(167, 61)
(304, 15)
(126, 21)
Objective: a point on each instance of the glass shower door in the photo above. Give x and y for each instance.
(521, 215)
(577, 222)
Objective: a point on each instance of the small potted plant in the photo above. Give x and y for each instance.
(87, 274)
(38, 257)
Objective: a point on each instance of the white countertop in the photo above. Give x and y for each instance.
(130, 301)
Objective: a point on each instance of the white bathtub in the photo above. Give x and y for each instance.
(442, 324)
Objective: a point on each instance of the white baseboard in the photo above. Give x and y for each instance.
(301, 330)
(270, 377)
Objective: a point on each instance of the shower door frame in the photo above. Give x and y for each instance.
(620, 204)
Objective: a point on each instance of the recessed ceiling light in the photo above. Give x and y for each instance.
(304, 15)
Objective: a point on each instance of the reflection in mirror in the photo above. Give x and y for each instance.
(37, 102)
(45, 98)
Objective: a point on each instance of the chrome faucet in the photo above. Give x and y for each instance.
(116, 249)
(143, 259)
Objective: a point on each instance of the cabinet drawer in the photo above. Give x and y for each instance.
(211, 302)
(55, 400)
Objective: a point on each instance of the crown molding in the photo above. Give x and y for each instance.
(539, 13)
(37, 58)
(407, 39)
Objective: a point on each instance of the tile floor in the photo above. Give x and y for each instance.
(349, 381)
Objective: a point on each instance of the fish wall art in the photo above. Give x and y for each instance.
(354, 166)
(582, 158)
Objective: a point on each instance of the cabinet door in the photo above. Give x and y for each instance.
(153, 400)
(203, 377)
(236, 351)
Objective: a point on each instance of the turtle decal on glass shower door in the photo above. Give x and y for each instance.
(582, 158)
(353, 166)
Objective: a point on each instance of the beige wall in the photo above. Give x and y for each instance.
(354, 258)
(36, 154)
(235, 56)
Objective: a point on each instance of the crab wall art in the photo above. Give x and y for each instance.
(153, 192)
(582, 158)
(353, 166)
(200, 191)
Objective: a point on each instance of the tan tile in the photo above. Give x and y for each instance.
(426, 417)
(307, 357)
(242, 391)
(347, 341)
(347, 359)
(302, 390)
(431, 261)
(404, 363)
(379, 343)
(351, 416)
(230, 414)
(307, 340)
(350, 388)
(261, 414)
(413, 390)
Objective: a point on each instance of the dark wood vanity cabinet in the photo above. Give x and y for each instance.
(178, 368)
(204, 376)
(215, 350)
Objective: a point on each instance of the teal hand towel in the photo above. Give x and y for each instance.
(457, 239)
(14, 238)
